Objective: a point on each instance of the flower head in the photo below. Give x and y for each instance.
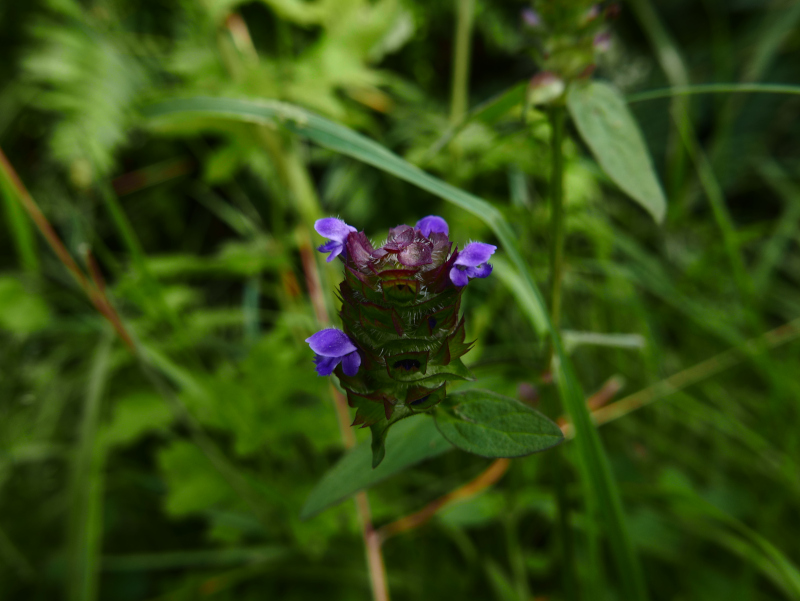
(472, 263)
(332, 347)
(403, 337)
(336, 231)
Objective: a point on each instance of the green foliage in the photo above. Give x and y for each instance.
(182, 150)
(608, 128)
(411, 441)
(491, 425)
(21, 312)
(89, 81)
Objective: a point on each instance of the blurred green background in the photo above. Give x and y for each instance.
(182, 476)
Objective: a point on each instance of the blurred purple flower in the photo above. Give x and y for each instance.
(472, 263)
(602, 41)
(336, 231)
(531, 18)
(331, 347)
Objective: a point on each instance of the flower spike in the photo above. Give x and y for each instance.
(403, 338)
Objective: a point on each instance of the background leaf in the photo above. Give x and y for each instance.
(608, 128)
(492, 425)
(408, 442)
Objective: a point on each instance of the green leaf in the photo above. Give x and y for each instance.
(608, 128)
(410, 441)
(491, 425)
(20, 311)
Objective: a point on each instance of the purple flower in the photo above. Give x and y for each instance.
(602, 41)
(332, 347)
(471, 263)
(409, 246)
(432, 223)
(531, 18)
(336, 231)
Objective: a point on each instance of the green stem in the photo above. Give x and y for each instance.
(556, 213)
(21, 231)
(557, 118)
(465, 11)
(85, 526)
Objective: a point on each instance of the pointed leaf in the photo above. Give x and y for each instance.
(410, 441)
(492, 425)
(609, 129)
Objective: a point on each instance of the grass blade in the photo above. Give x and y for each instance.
(715, 88)
(86, 506)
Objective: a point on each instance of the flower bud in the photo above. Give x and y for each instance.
(545, 87)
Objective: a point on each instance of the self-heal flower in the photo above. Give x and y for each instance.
(336, 231)
(332, 347)
(403, 336)
(472, 263)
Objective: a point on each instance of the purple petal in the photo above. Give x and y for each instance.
(475, 253)
(351, 363)
(458, 277)
(359, 249)
(415, 254)
(432, 223)
(331, 343)
(334, 229)
(399, 237)
(479, 272)
(326, 365)
(333, 247)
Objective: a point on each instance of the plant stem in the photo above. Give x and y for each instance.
(556, 213)
(96, 296)
(465, 10)
(85, 525)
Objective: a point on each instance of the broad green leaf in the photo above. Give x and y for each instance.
(499, 106)
(21, 312)
(492, 425)
(135, 415)
(608, 128)
(596, 475)
(410, 441)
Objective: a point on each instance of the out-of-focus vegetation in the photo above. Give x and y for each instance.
(170, 457)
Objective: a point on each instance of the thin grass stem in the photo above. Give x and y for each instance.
(465, 10)
(714, 88)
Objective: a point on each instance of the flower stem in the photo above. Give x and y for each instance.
(465, 10)
(556, 213)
